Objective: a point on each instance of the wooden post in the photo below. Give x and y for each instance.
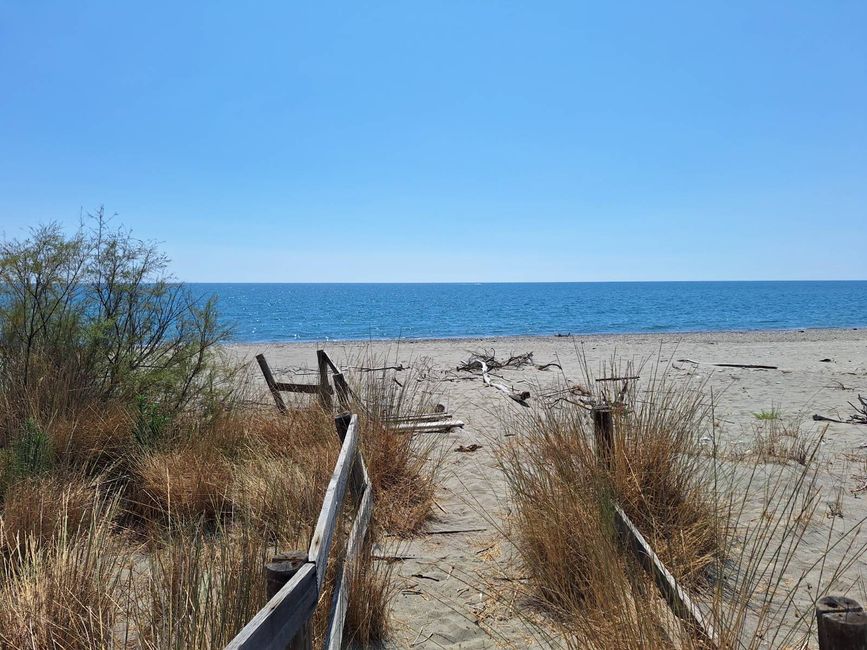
(278, 572)
(603, 431)
(272, 385)
(341, 387)
(324, 388)
(359, 478)
(841, 624)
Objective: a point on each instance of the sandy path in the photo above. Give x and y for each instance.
(445, 578)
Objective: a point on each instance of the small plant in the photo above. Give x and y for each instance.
(769, 415)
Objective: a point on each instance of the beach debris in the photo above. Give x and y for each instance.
(860, 415)
(398, 368)
(826, 360)
(488, 359)
(468, 448)
(823, 418)
(545, 366)
(750, 366)
(422, 426)
(481, 363)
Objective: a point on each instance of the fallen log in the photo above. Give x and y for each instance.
(429, 427)
(822, 418)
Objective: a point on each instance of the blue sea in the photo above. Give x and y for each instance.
(318, 312)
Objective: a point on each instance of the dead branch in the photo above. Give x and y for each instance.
(489, 358)
(752, 366)
(860, 415)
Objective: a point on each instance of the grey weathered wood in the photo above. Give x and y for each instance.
(298, 388)
(324, 387)
(272, 385)
(428, 427)
(359, 478)
(322, 354)
(421, 417)
(323, 534)
(286, 614)
(603, 431)
(677, 597)
(280, 570)
(340, 599)
(341, 388)
(841, 624)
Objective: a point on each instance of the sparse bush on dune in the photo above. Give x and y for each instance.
(93, 317)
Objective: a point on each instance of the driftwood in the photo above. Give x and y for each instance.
(398, 368)
(545, 366)
(822, 418)
(428, 427)
(752, 366)
(520, 397)
(489, 359)
(858, 417)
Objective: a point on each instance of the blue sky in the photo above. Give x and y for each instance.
(447, 141)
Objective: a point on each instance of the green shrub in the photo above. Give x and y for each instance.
(94, 316)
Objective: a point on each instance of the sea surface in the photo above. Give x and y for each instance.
(319, 312)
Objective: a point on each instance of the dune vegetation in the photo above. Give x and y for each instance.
(141, 486)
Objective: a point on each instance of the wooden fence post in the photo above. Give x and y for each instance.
(277, 573)
(324, 389)
(603, 431)
(841, 624)
(272, 385)
(341, 388)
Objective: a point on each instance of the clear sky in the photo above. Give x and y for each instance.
(447, 141)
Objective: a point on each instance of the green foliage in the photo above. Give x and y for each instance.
(767, 416)
(32, 451)
(94, 316)
(151, 423)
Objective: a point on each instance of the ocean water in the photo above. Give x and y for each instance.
(318, 312)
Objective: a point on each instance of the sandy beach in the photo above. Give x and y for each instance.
(454, 581)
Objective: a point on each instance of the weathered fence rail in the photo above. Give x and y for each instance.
(841, 622)
(285, 621)
(323, 389)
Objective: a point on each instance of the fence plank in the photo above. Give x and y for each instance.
(324, 387)
(327, 359)
(323, 534)
(272, 385)
(678, 599)
(341, 387)
(340, 600)
(298, 388)
(276, 624)
(359, 478)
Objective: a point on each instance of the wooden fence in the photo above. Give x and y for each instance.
(322, 389)
(841, 622)
(295, 580)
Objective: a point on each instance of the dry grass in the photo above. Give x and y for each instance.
(199, 507)
(697, 511)
(38, 510)
(188, 484)
(64, 592)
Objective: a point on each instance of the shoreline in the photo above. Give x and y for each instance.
(763, 335)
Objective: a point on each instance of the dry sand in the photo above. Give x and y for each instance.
(447, 580)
